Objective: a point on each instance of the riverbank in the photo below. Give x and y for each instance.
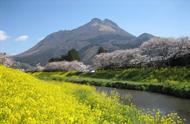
(170, 81)
(148, 100)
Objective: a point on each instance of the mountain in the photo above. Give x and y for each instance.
(141, 39)
(86, 39)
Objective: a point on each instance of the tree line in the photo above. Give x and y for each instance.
(73, 54)
(157, 52)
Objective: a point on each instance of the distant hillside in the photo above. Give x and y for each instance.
(86, 39)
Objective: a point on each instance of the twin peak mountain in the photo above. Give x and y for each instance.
(86, 39)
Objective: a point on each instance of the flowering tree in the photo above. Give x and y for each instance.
(155, 52)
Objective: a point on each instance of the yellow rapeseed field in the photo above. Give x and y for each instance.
(27, 100)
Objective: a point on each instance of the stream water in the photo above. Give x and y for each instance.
(164, 103)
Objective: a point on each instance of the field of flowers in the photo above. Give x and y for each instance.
(27, 100)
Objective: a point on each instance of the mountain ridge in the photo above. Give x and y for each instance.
(88, 37)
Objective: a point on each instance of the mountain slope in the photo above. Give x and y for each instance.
(86, 39)
(142, 38)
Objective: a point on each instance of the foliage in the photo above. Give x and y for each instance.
(73, 55)
(66, 66)
(157, 52)
(70, 56)
(102, 50)
(25, 99)
(161, 75)
(173, 81)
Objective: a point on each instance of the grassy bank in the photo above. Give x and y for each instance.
(27, 100)
(171, 81)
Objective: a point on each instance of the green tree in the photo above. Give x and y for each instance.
(72, 55)
(101, 50)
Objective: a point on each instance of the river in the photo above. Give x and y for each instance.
(164, 103)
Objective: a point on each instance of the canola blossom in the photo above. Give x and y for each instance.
(27, 100)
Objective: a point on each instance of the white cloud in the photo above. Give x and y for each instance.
(22, 38)
(3, 36)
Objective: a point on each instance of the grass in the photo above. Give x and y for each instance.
(27, 100)
(172, 81)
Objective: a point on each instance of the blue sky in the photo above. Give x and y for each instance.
(24, 22)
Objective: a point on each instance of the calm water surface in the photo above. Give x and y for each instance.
(150, 100)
